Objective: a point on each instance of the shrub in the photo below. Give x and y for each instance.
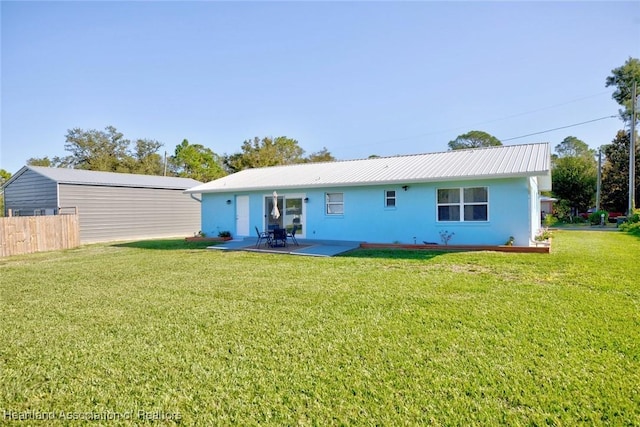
(595, 217)
(631, 227)
(550, 221)
(562, 211)
(224, 234)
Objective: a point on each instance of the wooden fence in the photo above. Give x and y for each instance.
(28, 234)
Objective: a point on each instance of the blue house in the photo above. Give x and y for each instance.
(478, 196)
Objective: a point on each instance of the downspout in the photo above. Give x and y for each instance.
(534, 197)
(195, 198)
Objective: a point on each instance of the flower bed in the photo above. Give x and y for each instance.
(497, 248)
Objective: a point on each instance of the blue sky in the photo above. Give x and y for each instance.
(359, 78)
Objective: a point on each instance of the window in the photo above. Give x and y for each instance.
(335, 203)
(390, 198)
(463, 204)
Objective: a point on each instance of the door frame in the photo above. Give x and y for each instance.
(282, 198)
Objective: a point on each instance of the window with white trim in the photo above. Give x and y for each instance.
(390, 198)
(463, 204)
(335, 203)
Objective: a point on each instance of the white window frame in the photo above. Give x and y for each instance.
(462, 204)
(388, 198)
(329, 203)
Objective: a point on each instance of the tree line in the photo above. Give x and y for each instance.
(108, 150)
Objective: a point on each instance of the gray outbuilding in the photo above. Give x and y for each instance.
(111, 206)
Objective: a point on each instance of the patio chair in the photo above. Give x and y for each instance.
(292, 235)
(262, 235)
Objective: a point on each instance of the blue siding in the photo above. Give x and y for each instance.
(412, 220)
(217, 215)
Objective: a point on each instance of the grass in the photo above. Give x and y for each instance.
(376, 337)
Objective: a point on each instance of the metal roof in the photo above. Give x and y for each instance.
(492, 162)
(86, 177)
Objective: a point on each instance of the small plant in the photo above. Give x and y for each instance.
(543, 234)
(225, 234)
(445, 236)
(510, 241)
(200, 234)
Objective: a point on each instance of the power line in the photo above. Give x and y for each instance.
(441, 131)
(561, 127)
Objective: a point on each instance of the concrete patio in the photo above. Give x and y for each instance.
(306, 247)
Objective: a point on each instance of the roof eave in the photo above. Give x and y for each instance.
(195, 190)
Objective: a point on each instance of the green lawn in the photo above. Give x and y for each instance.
(373, 338)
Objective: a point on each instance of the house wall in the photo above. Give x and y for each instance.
(123, 213)
(30, 191)
(217, 215)
(412, 220)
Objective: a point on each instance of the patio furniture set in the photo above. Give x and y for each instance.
(276, 237)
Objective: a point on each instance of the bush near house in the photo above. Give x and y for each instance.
(632, 225)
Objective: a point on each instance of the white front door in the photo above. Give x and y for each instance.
(242, 215)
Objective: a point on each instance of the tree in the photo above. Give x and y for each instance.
(147, 161)
(474, 139)
(197, 162)
(97, 150)
(321, 156)
(615, 174)
(106, 150)
(574, 180)
(264, 152)
(573, 147)
(40, 161)
(574, 174)
(622, 78)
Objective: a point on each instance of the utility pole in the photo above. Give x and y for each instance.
(599, 185)
(165, 163)
(632, 154)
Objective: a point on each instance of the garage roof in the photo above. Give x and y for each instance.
(113, 179)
